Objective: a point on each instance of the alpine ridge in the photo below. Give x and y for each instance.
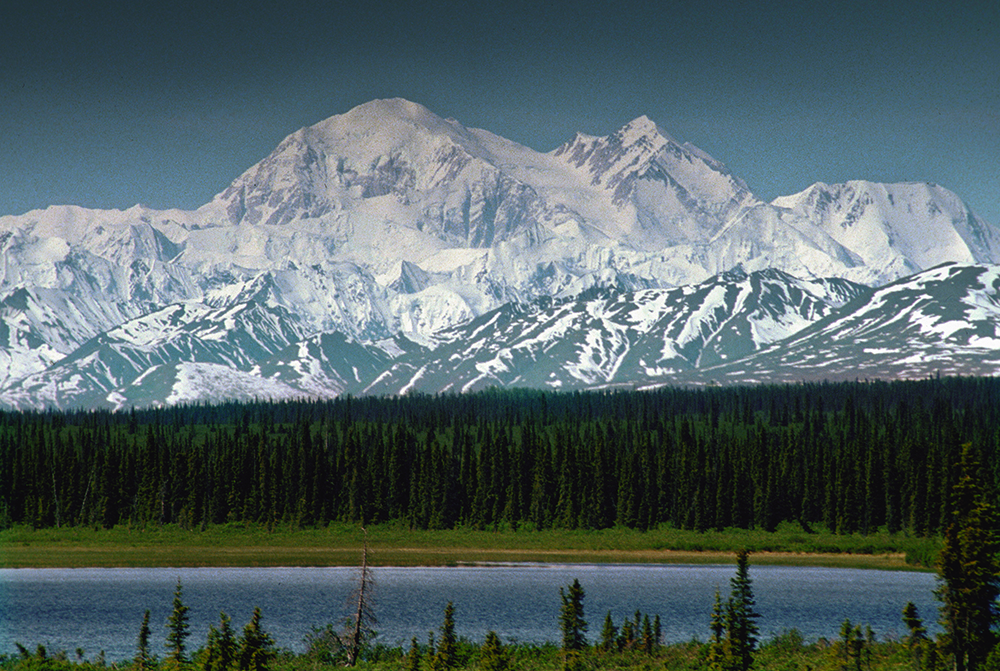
(366, 247)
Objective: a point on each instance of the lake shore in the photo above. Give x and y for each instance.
(395, 545)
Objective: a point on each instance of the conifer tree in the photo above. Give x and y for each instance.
(177, 629)
(221, 648)
(413, 657)
(446, 655)
(647, 635)
(494, 657)
(968, 569)
(917, 640)
(717, 642)
(144, 660)
(915, 625)
(626, 636)
(741, 618)
(733, 624)
(852, 643)
(256, 649)
(609, 633)
(571, 618)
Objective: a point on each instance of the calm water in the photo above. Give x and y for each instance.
(101, 609)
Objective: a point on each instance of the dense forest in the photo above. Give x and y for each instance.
(852, 457)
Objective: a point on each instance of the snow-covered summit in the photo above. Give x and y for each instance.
(389, 219)
(898, 228)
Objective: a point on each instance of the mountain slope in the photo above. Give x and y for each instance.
(944, 321)
(614, 337)
(389, 220)
(235, 337)
(898, 228)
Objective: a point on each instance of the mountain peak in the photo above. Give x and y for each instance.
(386, 118)
(400, 108)
(644, 129)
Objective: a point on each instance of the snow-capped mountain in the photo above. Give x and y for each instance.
(390, 220)
(617, 337)
(943, 321)
(236, 337)
(329, 364)
(898, 228)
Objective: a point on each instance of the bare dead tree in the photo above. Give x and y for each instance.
(362, 626)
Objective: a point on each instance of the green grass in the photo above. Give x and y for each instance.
(397, 545)
(786, 652)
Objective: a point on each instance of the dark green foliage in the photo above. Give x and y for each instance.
(256, 649)
(144, 659)
(325, 646)
(647, 635)
(717, 652)
(734, 623)
(221, 648)
(609, 634)
(177, 630)
(572, 622)
(446, 655)
(922, 649)
(852, 645)
(413, 657)
(968, 568)
(626, 638)
(741, 617)
(914, 624)
(851, 457)
(494, 657)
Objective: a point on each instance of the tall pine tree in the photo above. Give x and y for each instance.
(968, 569)
(572, 623)
(177, 630)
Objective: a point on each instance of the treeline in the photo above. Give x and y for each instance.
(852, 457)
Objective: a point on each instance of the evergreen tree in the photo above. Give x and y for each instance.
(221, 649)
(256, 650)
(494, 656)
(852, 643)
(968, 569)
(647, 635)
(609, 633)
(915, 625)
(626, 637)
(717, 657)
(177, 629)
(446, 655)
(741, 618)
(413, 657)
(571, 618)
(733, 624)
(144, 660)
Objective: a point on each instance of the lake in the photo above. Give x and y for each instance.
(102, 609)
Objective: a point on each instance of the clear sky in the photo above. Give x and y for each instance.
(108, 104)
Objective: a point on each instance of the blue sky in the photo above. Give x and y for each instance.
(106, 104)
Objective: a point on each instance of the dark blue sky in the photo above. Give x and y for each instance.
(106, 104)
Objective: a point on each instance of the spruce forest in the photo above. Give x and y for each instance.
(852, 457)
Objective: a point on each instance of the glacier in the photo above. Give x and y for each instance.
(390, 226)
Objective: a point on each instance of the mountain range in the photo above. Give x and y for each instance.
(387, 250)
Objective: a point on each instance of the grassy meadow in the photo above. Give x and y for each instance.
(398, 545)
